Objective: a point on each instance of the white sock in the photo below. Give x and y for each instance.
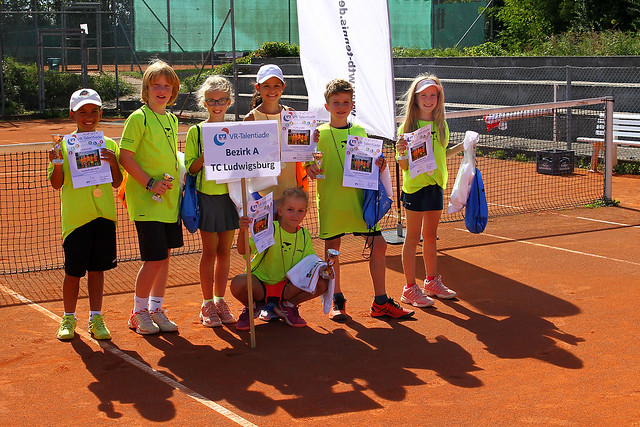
(92, 313)
(70, 314)
(155, 303)
(140, 304)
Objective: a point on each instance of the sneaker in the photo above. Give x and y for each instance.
(338, 312)
(67, 328)
(165, 324)
(391, 309)
(142, 323)
(243, 323)
(224, 313)
(436, 288)
(290, 315)
(268, 312)
(98, 329)
(209, 315)
(415, 297)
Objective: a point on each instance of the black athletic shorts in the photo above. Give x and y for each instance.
(429, 198)
(155, 238)
(91, 247)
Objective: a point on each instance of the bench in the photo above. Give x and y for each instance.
(626, 131)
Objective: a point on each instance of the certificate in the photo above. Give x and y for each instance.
(83, 152)
(261, 214)
(241, 149)
(297, 129)
(420, 151)
(360, 169)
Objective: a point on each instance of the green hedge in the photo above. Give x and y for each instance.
(21, 87)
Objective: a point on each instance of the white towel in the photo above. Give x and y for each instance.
(305, 274)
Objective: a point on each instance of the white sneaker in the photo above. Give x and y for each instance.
(209, 315)
(415, 297)
(436, 288)
(164, 323)
(142, 323)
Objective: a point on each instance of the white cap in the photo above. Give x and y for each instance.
(82, 97)
(267, 71)
(423, 84)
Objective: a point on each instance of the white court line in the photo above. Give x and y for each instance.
(541, 245)
(105, 345)
(601, 220)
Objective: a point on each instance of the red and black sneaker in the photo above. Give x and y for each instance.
(391, 309)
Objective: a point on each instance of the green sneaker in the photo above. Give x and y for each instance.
(67, 328)
(98, 329)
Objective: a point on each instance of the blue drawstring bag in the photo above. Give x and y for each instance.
(189, 208)
(476, 213)
(375, 205)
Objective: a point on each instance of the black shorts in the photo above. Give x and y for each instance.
(155, 238)
(366, 234)
(91, 247)
(429, 198)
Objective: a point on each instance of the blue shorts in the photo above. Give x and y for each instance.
(155, 238)
(429, 198)
(91, 247)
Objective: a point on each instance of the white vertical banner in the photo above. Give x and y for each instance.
(351, 40)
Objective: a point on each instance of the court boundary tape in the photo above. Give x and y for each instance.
(542, 245)
(107, 346)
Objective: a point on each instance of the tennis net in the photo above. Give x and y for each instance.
(508, 155)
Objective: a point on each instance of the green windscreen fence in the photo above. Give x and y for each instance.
(194, 24)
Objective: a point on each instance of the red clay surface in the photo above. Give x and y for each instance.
(544, 332)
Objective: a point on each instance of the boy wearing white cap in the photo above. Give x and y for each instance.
(88, 220)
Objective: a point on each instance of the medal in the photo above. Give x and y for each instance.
(97, 192)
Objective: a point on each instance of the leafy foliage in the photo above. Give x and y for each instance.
(276, 49)
(21, 86)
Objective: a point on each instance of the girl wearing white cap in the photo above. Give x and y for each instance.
(265, 105)
(422, 196)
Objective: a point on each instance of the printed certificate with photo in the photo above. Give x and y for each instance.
(360, 169)
(261, 213)
(420, 151)
(83, 152)
(297, 143)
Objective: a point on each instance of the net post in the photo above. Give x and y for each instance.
(608, 150)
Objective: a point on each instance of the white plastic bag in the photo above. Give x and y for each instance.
(460, 192)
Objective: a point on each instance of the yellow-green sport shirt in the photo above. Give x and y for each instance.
(153, 139)
(272, 264)
(80, 206)
(440, 175)
(192, 150)
(339, 208)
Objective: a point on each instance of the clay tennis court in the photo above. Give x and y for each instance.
(543, 332)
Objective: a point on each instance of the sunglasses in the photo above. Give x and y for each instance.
(211, 102)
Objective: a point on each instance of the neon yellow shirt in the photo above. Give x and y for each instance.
(272, 264)
(79, 206)
(440, 175)
(192, 150)
(339, 208)
(154, 146)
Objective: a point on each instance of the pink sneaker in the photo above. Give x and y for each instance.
(224, 313)
(436, 288)
(209, 315)
(415, 297)
(142, 323)
(289, 313)
(243, 323)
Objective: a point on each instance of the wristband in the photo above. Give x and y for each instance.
(150, 184)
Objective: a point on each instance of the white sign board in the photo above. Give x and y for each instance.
(241, 149)
(297, 143)
(420, 151)
(360, 169)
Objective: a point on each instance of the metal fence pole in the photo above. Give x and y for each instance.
(569, 118)
(115, 51)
